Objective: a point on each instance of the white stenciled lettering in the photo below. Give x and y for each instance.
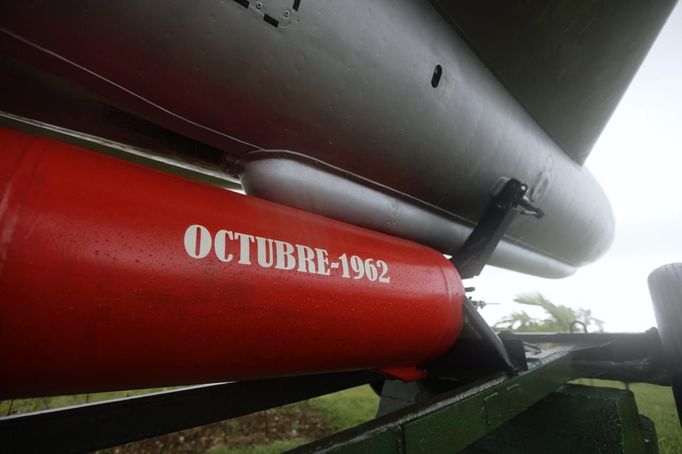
(220, 245)
(197, 241)
(285, 256)
(322, 262)
(305, 258)
(282, 255)
(383, 269)
(265, 254)
(244, 247)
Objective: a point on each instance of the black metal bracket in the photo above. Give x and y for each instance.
(479, 352)
(506, 203)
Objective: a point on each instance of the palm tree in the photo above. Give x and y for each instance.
(559, 318)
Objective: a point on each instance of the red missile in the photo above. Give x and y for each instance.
(117, 276)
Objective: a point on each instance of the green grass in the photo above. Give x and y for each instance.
(18, 406)
(339, 410)
(270, 448)
(347, 408)
(657, 403)
(334, 412)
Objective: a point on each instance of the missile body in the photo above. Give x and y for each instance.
(116, 276)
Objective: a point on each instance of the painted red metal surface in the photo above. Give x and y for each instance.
(115, 276)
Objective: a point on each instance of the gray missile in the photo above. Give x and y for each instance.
(385, 114)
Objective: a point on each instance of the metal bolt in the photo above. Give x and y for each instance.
(287, 13)
(259, 5)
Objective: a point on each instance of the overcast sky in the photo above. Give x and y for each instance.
(638, 161)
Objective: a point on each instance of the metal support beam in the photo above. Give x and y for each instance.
(665, 286)
(99, 425)
(575, 419)
(627, 357)
(455, 419)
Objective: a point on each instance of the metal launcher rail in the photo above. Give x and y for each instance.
(438, 414)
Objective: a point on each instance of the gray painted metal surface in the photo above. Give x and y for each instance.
(665, 286)
(349, 84)
(312, 186)
(189, 169)
(567, 62)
